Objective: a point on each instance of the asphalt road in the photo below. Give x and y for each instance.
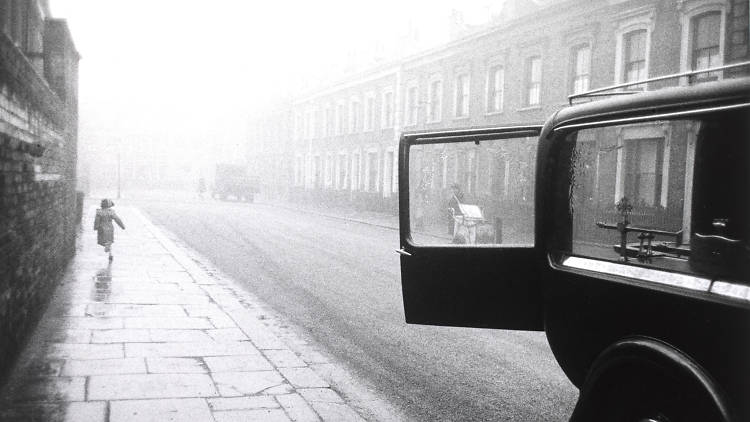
(340, 281)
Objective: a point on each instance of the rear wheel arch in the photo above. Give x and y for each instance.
(642, 378)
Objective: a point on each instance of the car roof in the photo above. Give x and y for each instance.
(667, 100)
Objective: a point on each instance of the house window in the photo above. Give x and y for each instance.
(411, 105)
(435, 101)
(354, 116)
(317, 172)
(309, 127)
(495, 85)
(581, 67)
(372, 172)
(462, 95)
(340, 119)
(298, 123)
(355, 172)
(388, 173)
(533, 80)
(329, 120)
(388, 109)
(634, 58)
(643, 174)
(341, 181)
(369, 112)
(706, 44)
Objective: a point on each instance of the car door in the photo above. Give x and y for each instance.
(466, 201)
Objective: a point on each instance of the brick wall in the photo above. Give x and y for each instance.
(37, 189)
(550, 33)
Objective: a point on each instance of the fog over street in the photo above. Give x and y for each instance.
(340, 281)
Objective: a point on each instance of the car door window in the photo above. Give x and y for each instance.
(663, 195)
(472, 193)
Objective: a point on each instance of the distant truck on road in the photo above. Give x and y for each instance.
(233, 180)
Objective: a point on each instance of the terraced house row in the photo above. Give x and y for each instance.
(339, 143)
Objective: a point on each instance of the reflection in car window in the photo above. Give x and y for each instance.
(668, 195)
(472, 194)
(629, 196)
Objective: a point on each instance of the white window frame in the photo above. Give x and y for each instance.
(330, 120)
(310, 126)
(355, 106)
(388, 111)
(438, 99)
(367, 169)
(354, 180)
(298, 123)
(629, 21)
(575, 47)
(340, 120)
(489, 95)
(527, 72)
(409, 119)
(643, 131)
(313, 170)
(327, 179)
(368, 122)
(690, 9)
(389, 190)
(462, 114)
(342, 164)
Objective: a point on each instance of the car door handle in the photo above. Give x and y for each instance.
(402, 252)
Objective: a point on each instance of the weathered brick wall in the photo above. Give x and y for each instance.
(37, 196)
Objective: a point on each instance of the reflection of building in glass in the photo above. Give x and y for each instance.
(645, 163)
(519, 68)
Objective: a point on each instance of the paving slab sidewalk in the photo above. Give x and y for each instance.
(157, 336)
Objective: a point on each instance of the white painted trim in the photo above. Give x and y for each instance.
(525, 103)
(339, 128)
(688, 10)
(572, 61)
(459, 74)
(649, 130)
(371, 115)
(430, 106)
(354, 113)
(383, 109)
(490, 66)
(633, 20)
(329, 111)
(384, 188)
(355, 179)
(407, 106)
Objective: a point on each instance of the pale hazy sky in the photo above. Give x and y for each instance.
(187, 70)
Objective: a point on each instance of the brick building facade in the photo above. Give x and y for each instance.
(38, 143)
(339, 143)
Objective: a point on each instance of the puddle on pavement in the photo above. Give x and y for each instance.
(102, 284)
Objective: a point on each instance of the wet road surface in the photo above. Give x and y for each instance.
(340, 281)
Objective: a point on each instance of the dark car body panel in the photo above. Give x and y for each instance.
(585, 312)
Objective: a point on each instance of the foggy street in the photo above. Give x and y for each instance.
(339, 281)
(229, 211)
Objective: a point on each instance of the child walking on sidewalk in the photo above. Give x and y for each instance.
(105, 231)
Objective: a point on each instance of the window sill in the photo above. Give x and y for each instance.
(461, 118)
(494, 113)
(530, 108)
